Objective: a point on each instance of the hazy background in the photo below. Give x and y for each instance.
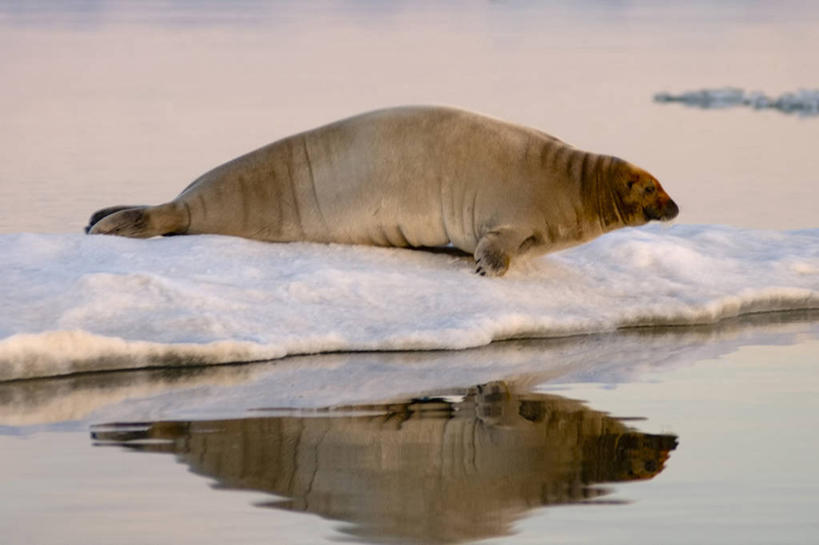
(126, 102)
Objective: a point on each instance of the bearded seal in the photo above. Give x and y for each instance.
(412, 176)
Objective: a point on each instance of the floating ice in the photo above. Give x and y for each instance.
(76, 303)
(804, 102)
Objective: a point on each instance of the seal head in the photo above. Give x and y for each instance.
(641, 198)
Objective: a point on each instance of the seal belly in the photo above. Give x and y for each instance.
(417, 177)
(368, 192)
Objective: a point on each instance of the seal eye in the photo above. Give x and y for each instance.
(650, 189)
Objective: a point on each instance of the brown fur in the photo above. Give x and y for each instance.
(411, 176)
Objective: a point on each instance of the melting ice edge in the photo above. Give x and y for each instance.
(76, 303)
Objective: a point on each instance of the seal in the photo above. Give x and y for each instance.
(411, 176)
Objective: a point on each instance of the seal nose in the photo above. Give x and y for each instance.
(671, 210)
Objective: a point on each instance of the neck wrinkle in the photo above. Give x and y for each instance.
(588, 183)
(610, 213)
(599, 195)
(613, 199)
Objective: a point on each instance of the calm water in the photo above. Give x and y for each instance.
(107, 102)
(683, 435)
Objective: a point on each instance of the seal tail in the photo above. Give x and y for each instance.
(139, 221)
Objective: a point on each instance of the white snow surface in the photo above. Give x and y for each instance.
(74, 303)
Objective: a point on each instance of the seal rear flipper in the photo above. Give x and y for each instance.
(143, 221)
(99, 214)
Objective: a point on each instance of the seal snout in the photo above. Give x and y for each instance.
(669, 210)
(662, 208)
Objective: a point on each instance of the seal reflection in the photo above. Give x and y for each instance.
(430, 470)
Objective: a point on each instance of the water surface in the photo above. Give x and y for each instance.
(685, 424)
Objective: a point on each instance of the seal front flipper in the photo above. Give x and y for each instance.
(144, 221)
(497, 247)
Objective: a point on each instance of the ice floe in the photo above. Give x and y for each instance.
(75, 303)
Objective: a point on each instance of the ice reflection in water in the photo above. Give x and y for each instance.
(427, 470)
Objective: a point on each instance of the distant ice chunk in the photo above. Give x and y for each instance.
(804, 102)
(706, 98)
